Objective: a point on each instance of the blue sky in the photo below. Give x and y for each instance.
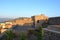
(27, 8)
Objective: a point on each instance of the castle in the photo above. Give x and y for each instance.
(30, 21)
(51, 32)
(34, 21)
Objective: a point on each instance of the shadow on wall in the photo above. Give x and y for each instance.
(43, 23)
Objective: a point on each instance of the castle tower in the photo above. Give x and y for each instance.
(38, 19)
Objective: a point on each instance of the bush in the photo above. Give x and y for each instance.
(9, 35)
(40, 34)
(23, 36)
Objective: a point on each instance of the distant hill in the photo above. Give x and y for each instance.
(4, 19)
(9, 19)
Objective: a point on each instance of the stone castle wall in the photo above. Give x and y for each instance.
(50, 34)
(54, 21)
(30, 21)
(39, 19)
(23, 22)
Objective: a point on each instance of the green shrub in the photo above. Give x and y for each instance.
(9, 35)
(40, 34)
(23, 36)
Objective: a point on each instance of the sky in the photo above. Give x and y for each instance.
(28, 8)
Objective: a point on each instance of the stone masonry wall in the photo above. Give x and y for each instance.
(51, 35)
(37, 18)
(23, 22)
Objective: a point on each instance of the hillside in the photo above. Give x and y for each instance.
(4, 19)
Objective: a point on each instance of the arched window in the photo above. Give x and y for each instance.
(38, 21)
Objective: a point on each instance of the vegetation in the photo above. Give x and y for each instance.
(23, 36)
(38, 33)
(9, 35)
